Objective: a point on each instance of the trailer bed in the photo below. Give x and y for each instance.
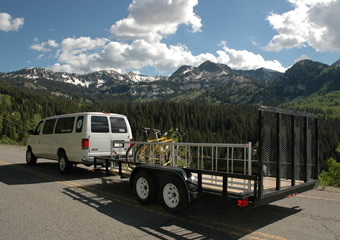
(285, 161)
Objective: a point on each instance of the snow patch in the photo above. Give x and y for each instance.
(100, 83)
(188, 70)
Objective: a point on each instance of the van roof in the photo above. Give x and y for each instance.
(86, 113)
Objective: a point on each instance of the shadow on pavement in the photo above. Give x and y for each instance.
(209, 217)
(17, 174)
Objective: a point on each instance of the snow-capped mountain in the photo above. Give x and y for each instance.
(209, 82)
(95, 79)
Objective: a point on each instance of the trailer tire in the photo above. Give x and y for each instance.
(30, 158)
(173, 195)
(65, 166)
(144, 188)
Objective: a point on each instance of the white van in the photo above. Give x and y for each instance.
(77, 138)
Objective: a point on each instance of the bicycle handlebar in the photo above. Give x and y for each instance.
(157, 132)
(147, 130)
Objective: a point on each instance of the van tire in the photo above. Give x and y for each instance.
(65, 166)
(30, 158)
(144, 188)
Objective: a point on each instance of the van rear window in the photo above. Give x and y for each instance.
(118, 125)
(99, 124)
(48, 126)
(64, 125)
(79, 125)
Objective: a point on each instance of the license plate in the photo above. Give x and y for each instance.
(118, 145)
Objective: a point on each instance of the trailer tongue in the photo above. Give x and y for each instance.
(284, 163)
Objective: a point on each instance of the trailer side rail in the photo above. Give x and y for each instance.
(219, 168)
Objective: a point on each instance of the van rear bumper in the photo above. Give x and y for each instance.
(90, 160)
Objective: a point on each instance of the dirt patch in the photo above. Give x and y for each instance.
(328, 189)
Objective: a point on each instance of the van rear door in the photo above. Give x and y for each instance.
(100, 136)
(120, 130)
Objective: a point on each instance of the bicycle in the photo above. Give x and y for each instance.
(162, 153)
(181, 155)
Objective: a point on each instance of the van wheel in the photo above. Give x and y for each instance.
(144, 187)
(64, 164)
(30, 158)
(173, 195)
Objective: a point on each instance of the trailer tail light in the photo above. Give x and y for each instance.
(243, 202)
(85, 143)
(291, 195)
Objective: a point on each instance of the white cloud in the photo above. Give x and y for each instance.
(302, 57)
(148, 22)
(151, 20)
(7, 23)
(43, 46)
(84, 55)
(245, 60)
(100, 54)
(52, 43)
(311, 23)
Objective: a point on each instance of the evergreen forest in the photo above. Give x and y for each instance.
(21, 110)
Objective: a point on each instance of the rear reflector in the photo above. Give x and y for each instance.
(291, 195)
(242, 202)
(85, 143)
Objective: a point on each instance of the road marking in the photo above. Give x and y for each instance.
(221, 227)
(319, 198)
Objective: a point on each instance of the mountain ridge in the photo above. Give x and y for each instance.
(209, 82)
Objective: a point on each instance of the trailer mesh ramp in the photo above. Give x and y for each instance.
(289, 149)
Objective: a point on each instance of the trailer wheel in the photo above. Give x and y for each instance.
(30, 158)
(65, 166)
(144, 188)
(173, 195)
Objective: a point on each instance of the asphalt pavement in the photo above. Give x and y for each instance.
(37, 202)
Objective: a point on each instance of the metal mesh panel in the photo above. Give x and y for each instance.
(288, 150)
(285, 150)
(299, 150)
(269, 142)
(311, 144)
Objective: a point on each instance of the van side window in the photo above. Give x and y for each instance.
(79, 125)
(99, 124)
(38, 128)
(49, 126)
(64, 125)
(118, 125)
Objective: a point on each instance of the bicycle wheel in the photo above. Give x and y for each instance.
(142, 154)
(130, 158)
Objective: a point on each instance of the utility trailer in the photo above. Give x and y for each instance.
(283, 163)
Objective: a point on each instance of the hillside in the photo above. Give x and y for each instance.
(298, 87)
(321, 94)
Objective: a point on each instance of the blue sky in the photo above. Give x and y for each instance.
(155, 37)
